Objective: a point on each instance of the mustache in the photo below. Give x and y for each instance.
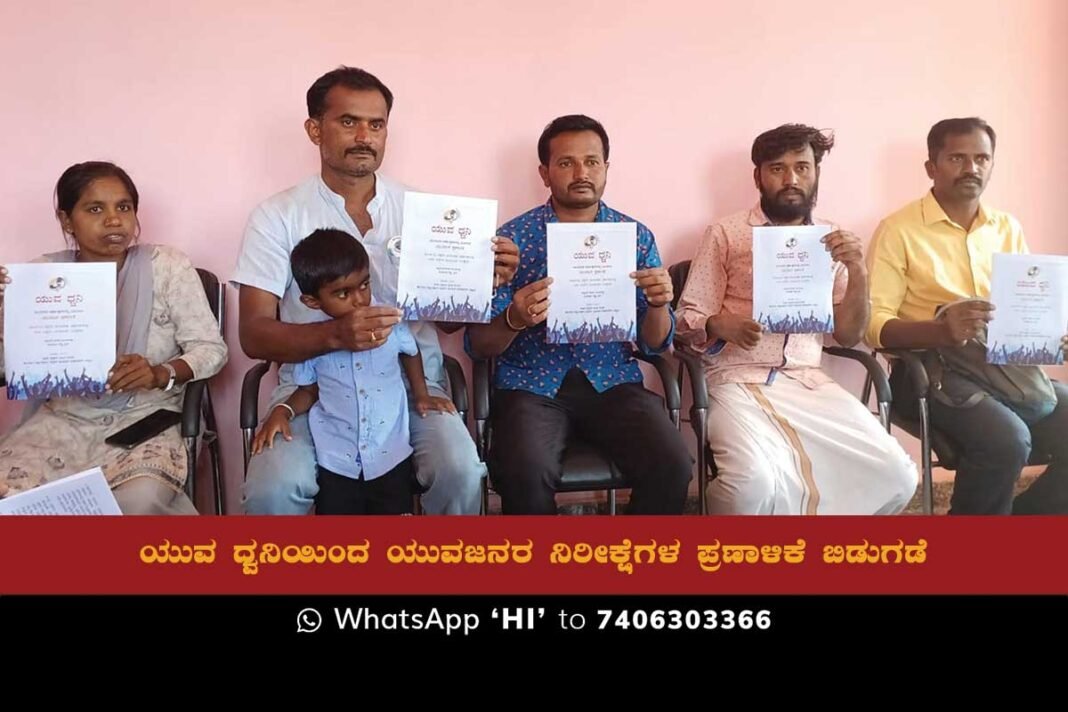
(580, 184)
(362, 148)
(790, 191)
(969, 179)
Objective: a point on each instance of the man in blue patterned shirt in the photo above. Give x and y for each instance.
(544, 392)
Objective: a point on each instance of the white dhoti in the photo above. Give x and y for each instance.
(789, 449)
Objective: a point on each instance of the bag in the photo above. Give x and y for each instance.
(960, 377)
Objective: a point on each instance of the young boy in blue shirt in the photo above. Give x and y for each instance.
(357, 400)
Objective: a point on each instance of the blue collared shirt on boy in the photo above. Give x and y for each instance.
(532, 365)
(360, 422)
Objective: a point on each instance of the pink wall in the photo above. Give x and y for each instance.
(204, 105)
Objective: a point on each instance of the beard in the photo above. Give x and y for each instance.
(778, 210)
(567, 199)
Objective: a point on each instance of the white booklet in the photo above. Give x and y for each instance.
(59, 329)
(84, 493)
(793, 280)
(446, 258)
(1030, 293)
(592, 298)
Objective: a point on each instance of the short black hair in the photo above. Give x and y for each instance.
(936, 137)
(567, 124)
(791, 137)
(323, 256)
(76, 179)
(349, 77)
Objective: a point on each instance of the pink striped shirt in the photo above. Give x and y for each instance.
(721, 279)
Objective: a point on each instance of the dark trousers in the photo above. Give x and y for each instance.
(627, 423)
(389, 494)
(995, 445)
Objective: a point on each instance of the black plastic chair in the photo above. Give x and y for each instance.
(250, 401)
(197, 405)
(584, 468)
(690, 364)
(945, 451)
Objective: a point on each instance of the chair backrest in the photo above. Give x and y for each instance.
(214, 291)
(679, 272)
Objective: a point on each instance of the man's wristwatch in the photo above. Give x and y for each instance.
(172, 374)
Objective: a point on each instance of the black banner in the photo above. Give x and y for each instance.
(561, 620)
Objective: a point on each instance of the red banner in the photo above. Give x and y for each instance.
(534, 555)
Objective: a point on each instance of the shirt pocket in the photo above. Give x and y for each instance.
(161, 344)
(335, 377)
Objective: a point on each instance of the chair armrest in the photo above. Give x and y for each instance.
(192, 402)
(875, 371)
(695, 369)
(914, 368)
(672, 397)
(480, 373)
(457, 383)
(250, 394)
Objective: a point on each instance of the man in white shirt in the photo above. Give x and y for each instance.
(348, 114)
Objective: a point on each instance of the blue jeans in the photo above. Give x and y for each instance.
(282, 480)
(995, 445)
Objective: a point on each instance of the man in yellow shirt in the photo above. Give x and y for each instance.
(934, 252)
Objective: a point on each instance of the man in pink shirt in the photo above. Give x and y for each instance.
(786, 438)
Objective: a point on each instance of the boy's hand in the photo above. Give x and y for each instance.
(425, 404)
(277, 422)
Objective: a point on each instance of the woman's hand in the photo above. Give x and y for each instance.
(133, 372)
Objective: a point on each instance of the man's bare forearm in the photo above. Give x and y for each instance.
(901, 334)
(492, 339)
(272, 340)
(852, 314)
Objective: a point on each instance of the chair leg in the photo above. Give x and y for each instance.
(190, 468)
(700, 425)
(680, 376)
(246, 443)
(865, 392)
(925, 458)
(884, 415)
(485, 495)
(612, 502)
(216, 472)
